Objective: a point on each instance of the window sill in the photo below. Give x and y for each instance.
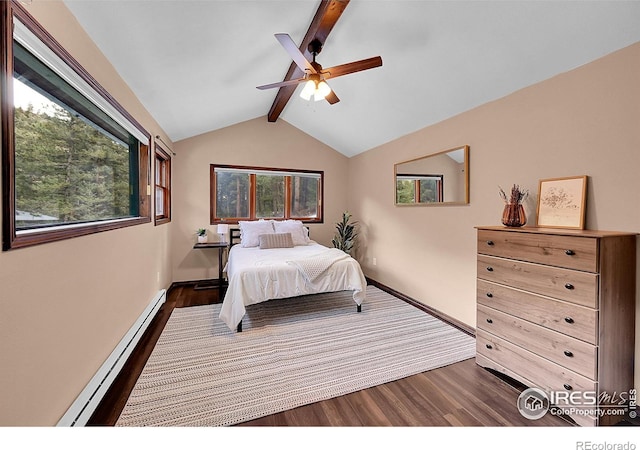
(27, 238)
(161, 220)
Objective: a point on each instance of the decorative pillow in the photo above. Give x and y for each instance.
(296, 228)
(276, 240)
(250, 231)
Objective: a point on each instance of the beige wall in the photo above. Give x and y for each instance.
(254, 143)
(64, 306)
(584, 122)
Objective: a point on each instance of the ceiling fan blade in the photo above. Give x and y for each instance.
(332, 98)
(281, 83)
(356, 66)
(295, 53)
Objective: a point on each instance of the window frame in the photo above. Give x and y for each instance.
(11, 239)
(163, 160)
(439, 180)
(252, 194)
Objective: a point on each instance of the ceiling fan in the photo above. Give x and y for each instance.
(314, 75)
(304, 66)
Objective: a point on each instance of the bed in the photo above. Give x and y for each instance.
(277, 259)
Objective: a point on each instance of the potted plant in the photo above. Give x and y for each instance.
(202, 235)
(346, 236)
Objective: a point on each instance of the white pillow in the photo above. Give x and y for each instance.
(250, 231)
(295, 227)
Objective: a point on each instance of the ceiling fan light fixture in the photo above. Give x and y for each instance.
(316, 88)
(317, 96)
(323, 89)
(308, 90)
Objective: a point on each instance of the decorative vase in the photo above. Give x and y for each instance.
(202, 239)
(513, 215)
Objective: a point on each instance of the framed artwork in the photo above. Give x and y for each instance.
(562, 202)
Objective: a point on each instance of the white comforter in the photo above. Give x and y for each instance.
(256, 275)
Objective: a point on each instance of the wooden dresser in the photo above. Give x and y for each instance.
(556, 310)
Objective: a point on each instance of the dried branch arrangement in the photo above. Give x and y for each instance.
(517, 195)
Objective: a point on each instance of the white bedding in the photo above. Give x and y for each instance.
(256, 275)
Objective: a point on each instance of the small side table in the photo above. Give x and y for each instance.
(219, 283)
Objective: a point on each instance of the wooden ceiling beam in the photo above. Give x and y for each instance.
(323, 22)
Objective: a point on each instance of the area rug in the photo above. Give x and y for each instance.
(291, 353)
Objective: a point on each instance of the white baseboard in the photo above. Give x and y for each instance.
(86, 403)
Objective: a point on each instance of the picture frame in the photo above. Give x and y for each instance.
(562, 202)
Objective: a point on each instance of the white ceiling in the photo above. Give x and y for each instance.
(195, 64)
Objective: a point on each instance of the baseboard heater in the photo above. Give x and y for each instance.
(86, 403)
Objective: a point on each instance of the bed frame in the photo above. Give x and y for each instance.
(234, 238)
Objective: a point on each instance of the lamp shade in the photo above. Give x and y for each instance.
(223, 228)
(308, 90)
(323, 90)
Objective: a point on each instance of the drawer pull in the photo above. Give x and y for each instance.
(568, 387)
(490, 269)
(568, 353)
(568, 319)
(489, 346)
(489, 243)
(489, 320)
(569, 286)
(489, 294)
(569, 252)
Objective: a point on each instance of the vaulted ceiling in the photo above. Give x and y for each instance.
(195, 64)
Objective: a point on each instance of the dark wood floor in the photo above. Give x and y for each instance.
(462, 394)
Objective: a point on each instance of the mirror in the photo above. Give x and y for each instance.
(438, 179)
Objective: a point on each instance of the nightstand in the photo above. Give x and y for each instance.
(219, 283)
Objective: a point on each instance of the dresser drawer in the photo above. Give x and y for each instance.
(536, 369)
(571, 252)
(569, 352)
(579, 418)
(574, 320)
(564, 284)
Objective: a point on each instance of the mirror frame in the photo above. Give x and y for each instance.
(466, 179)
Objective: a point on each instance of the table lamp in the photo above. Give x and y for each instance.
(223, 229)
